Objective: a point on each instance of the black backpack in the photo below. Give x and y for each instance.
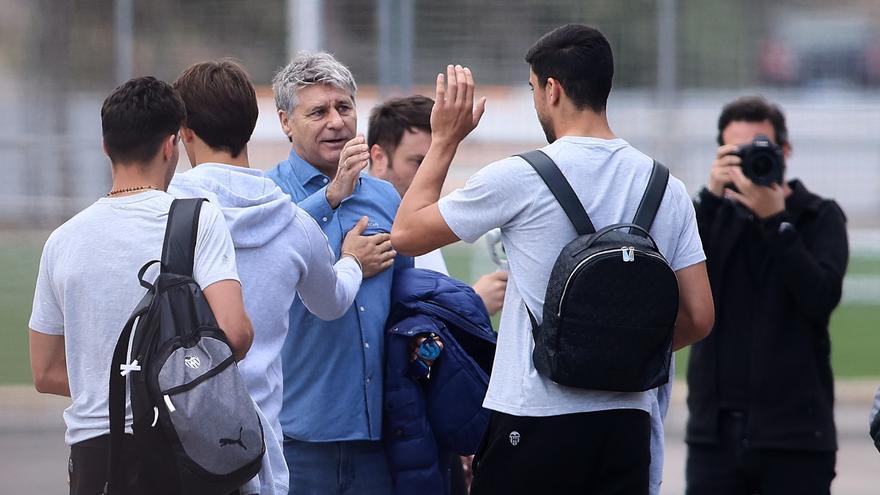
(612, 299)
(196, 429)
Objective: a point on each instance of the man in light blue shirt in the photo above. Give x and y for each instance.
(332, 410)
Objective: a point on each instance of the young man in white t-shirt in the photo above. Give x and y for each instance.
(87, 284)
(544, 437)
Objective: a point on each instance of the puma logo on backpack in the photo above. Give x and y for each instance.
(233, 441)
(185, 388)
(612, 298)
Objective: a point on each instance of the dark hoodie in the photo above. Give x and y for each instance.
(775, 284)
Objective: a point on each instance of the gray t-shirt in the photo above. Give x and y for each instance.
(87, 287)
(610, 177)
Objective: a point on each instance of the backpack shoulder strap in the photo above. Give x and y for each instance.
(651, 200)
(561, 189)
(119, 369)
(179, 248)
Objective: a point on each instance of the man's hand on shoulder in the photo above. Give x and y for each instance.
(352, 160)
(373, 253)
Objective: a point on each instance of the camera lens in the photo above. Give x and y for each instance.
(762, 161)
(762, 165)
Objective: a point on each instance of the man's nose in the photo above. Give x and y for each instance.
(334, 120)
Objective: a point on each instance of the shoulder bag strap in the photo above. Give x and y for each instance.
(651, 200)
(561, 189)
(179, 248)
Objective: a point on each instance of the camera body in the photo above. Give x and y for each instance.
(762, 161)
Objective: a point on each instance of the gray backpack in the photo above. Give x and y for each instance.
(195, 424)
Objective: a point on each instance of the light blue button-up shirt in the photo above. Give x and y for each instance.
(333, 370)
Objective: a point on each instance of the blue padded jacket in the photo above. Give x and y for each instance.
(427, 423)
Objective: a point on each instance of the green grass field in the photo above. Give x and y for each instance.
(18, 265)
(855, 328)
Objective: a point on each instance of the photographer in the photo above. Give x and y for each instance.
(760, 386)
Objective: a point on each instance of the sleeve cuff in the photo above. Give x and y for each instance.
(318, 208)
(452, 222)
(45, 329)
(219, 278)
(347, 263)
(706, 199)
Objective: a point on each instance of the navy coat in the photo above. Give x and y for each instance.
(425, 423)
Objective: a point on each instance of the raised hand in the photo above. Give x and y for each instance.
(454, 115)
(352, 160)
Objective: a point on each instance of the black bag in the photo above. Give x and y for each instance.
(612, 299)
(194, 423)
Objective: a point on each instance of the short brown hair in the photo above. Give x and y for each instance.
(221, 104)
(391, 119)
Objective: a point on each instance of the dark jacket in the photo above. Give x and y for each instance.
(875, 420)
(426, 421)
(792, 292)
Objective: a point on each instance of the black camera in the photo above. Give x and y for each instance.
(762, 161)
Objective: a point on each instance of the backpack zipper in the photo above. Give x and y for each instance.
(628, 253)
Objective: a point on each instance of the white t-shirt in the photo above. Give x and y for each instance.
(432, 261)
(87, 287)
(610, 177)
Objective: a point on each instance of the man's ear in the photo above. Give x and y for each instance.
(169, 146)
(379, 162)
(187, 135)
(286, 128)
(104, 147)
(553, 90)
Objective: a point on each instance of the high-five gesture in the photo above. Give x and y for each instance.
(454, 115)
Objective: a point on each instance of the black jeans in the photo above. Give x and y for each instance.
(733, 468)
(87, 466)
(597, 453)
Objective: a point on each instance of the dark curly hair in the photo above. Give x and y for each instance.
(754, 109)
(137, 116)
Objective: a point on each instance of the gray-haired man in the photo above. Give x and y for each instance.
(332, 410)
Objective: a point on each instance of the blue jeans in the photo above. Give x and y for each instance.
(326, 468)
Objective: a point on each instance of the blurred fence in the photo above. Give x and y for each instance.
(677, 62)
